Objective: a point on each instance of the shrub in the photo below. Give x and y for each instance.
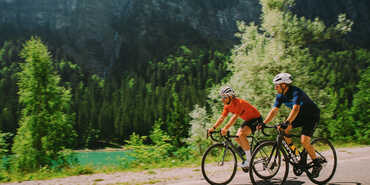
(148, 154)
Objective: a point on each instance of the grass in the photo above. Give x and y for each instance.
(45, 173)
(348, 145)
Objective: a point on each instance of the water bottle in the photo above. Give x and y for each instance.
(294, 149)
(295, 152)
(291, 152)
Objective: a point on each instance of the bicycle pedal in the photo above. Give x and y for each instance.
(245, 170)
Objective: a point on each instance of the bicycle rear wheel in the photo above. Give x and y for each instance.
(269, 164)
(219, 164)
(326, 152)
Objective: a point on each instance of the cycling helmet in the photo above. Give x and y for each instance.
(283, 78)
(227, 91)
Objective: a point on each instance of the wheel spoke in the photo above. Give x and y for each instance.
(219, 164)
(267, 164)
(326, 153)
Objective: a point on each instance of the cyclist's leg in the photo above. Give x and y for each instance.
(247, 128)
(237, 138)
(307, 132)
(287, 130)
(306, 142)
(243, 142)
(242, 137)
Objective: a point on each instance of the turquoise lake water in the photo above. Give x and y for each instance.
(102, 158)
(95, 158)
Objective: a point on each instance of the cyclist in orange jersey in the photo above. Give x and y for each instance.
(243, 109)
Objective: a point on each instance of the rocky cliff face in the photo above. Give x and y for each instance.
(97, 34)
(103, 32)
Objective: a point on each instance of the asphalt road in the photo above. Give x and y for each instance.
(353, 169)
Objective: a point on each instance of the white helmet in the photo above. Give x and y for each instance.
(283, 78)
(227, 91)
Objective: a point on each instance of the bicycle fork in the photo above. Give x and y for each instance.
(221, 162)
(274, 154)
(272, 163)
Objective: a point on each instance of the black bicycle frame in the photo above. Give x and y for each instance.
(277, 147)
(229, 143)
(280, 142)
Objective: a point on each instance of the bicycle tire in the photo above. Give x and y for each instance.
(218, 152)
(323, 148)
(267, 146)
(266, 153)
(254, 146)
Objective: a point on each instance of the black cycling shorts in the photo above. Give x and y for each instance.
(307, 122)
(252, 124)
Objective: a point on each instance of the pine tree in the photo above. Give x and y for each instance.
(45, 127)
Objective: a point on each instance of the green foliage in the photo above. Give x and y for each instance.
(149, 154)
(4, 177)
(80, 170)
(198, 141)
(184, 78)
(340, 71)
(360, 111)
(65, 159)
(162, 90)
(4, 145)
(158, 151)
(158, 136)
(184, 154)
(4, 152)
(45, 128)
(8, 88)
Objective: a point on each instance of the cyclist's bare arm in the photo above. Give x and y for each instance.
(271, 115)
(231, 122)
(293, 113)
(218, 123)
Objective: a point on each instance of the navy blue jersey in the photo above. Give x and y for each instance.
(296, 96)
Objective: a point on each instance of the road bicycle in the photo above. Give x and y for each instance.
(219, 162)
(270, 160)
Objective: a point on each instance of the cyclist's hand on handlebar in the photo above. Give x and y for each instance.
(224, 131)
(284, 125)
(260, 126)
(210, 131)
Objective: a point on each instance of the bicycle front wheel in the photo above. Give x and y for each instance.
(219, 164)
(268, 164)
(326, 152)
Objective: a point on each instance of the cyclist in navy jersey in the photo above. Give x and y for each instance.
(304, 113)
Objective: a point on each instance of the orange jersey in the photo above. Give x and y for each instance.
(241, 108)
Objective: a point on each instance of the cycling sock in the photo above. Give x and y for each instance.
(247, 155)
